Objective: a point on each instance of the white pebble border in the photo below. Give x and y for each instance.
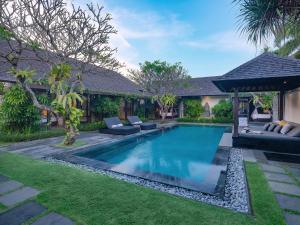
(236, 193)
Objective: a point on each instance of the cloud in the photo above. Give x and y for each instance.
(152, 29)
(228, 41)
(147, 24)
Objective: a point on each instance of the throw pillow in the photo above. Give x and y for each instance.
(286, 128)
(266, 126)
(282, 122)
(277, 129)
(271, 127)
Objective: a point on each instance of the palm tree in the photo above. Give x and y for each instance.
(289, 44)
(261, 19)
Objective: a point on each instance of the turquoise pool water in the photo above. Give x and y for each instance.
(184, 153)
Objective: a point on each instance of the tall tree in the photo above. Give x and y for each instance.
(69, 39)
(289, 43)
(161, 79)
(262, 18)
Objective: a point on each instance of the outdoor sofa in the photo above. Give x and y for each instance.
(115, 126)
(135, 121)
(270, 140)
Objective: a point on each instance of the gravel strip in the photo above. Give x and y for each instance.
(236, 193)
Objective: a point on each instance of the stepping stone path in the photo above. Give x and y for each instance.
(288, 202)
(286, 189)
(18, 196)
(10, 185)
(279, 177)
(13, 193)
(21, 214)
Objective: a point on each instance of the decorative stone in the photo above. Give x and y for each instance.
(270, 168)
(284, 188)
(279, 177)
(287, 202)
(292, 219)
(10, 185)
(21, 214)
(53, 219)
(18, 196)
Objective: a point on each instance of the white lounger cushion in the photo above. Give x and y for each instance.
(117, 125)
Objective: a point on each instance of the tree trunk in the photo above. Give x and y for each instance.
(70, 136)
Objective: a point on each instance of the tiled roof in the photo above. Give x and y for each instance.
(263, 66)
(200, 86)
(265, 72)
(96, 80)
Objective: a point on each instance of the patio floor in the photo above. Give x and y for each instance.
(39, 149)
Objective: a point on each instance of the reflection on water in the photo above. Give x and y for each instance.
(185, 152)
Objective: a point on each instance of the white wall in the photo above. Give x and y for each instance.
(292, 106)
(212, 100)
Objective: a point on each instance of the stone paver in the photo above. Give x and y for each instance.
(285, 188)
(53, 219)
(295, 172)
(18, 196)
(288, 202)
(226, 140)
(279, 177)
(273, 169)
(292, 219)
(21, 214)
(3, 178)
(10, 185)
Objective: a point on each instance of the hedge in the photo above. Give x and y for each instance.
(91, 126)
(205, 120)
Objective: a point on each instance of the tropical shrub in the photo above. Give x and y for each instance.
(265, 100)
(193, 108)
(105, 106)
(223, 109)
(91, 126)
(205, 120)
(17, 113)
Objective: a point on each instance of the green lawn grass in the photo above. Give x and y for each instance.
(2, 207)
(90, 198)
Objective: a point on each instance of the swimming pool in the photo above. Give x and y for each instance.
(184, 156)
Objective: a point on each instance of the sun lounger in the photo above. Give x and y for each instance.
(115, 126)
(135, 121)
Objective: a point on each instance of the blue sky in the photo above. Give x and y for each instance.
(201, 34)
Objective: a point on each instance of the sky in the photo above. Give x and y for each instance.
(201, 34)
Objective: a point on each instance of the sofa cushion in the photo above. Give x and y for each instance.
(286, 128)
(266, 126)
(295, 132)
(271, 127)
(277, 128)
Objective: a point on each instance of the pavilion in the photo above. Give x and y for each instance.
(267, 72)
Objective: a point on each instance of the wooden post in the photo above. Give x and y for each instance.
(281, 104)
(88, 108)
(235, 113)
(125, 107)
